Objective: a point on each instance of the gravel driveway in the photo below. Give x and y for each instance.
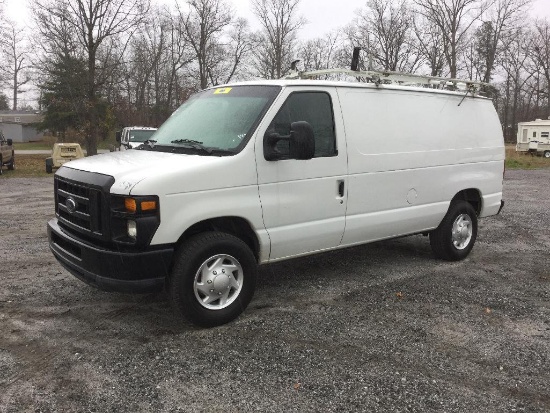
(381, 327)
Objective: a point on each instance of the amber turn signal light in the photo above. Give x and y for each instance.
(148, 205)
(130, 205)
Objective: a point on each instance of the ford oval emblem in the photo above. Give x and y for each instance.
(70, 203)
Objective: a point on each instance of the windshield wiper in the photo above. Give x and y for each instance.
(190, 143)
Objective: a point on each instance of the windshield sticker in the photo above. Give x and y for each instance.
(223, 91)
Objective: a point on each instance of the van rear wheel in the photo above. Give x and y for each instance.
(455, 236)
(213, 278)
(547, 154)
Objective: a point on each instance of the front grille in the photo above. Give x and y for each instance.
(87, 201)
(82, 203)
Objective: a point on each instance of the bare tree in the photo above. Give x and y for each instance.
(517, 77)
(146, 61)
(319, 53)
(430, 45)
(502, 17)
(93, 22)
(16, 61)
(231, 53)
(180, 54)
(274, 44)
(389, 27)
(204, 25)
(541, 52)
(454, 19)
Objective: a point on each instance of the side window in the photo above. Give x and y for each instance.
(534, 134)
(544, 134)
(314, 108)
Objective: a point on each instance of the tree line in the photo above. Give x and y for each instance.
(103, 64)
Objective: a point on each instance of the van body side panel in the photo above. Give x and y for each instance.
(410, 153)
(194, 188)
(388, 204)
(188, 208)
(302, 209)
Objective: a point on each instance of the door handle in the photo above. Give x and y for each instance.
(341, 186)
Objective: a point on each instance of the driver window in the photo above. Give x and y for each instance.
(314, 108)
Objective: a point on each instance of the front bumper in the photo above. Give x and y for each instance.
(109, 270)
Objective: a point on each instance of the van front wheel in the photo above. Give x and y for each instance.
(455, 236)
(213, 278)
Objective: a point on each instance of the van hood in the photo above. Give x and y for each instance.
(131, 167)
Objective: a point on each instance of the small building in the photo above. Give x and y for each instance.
(534, 137)
(20, 125)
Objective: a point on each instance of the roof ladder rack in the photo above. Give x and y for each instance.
(379, 77)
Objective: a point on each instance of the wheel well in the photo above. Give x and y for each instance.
(239, 227)
(472, 196)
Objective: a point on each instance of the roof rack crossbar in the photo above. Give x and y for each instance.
(379, 76)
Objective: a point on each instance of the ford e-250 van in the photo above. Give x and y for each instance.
(257, 172)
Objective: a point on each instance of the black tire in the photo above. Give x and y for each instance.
(546, 154)
(186, 285)
(1, 165)
(454, 247)
(11, 165)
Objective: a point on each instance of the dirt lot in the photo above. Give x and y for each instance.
(383, 327)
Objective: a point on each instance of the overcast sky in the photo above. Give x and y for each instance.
(323, 16)
(327, 15)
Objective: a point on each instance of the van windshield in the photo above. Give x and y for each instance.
(216, 120)
(140, 135)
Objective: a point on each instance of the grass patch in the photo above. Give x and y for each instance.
(27, 146)
(27, 166)
(521, 160)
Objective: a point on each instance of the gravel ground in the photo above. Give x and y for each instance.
(382, 327)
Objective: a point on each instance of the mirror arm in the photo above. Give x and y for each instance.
(273, 154)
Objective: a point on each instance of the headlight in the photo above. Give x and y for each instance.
(134, 219)
(132, 229)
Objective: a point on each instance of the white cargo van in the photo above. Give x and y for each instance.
(256, 172)
(133, 136)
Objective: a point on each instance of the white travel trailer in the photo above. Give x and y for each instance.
(252, 173)
(534, 137)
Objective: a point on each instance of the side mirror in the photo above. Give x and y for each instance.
(301, 143)
(118, 135)
(10, 142)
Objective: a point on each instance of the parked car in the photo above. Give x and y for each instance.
(257, 172)
(7, 153)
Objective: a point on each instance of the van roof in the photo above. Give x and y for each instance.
(345, 84)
